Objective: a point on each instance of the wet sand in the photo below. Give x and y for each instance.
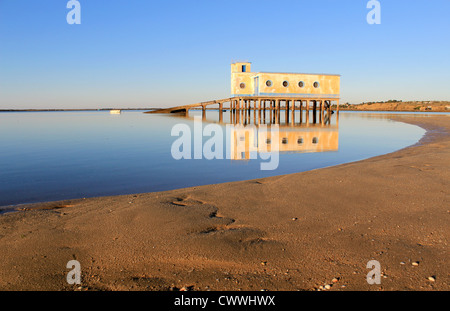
(291, 232)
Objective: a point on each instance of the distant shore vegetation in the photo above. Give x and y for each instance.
(399, 105)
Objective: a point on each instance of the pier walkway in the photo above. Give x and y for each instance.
(249, 103)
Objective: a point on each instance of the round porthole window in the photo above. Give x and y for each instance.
(301, 84)
(285, 83)
(242, 85)
(315, 140)
(269, 83)
(300, 141)
(316, 84)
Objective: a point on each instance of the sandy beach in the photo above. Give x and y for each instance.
(293, 232)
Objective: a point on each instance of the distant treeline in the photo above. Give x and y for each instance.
(383, 102)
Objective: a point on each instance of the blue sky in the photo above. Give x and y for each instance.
(143, 53)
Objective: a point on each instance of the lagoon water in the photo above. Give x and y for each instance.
(46, 156)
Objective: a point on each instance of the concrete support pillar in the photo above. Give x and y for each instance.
(220, 112)
(231, 111)
(322, 110)
(287, 111)
(337, 119)
(315, 112)
(271, 110)
(307, 111)
(238, 111)
(300, 111)
(293, 111)
(264, 110)
(259, 111)
(278, 107)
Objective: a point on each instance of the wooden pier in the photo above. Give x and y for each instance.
(240, 104)
(240, 108)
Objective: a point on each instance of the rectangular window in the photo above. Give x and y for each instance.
(244, 68)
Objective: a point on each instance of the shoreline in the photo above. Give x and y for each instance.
(395, 110)
(25, 206)
(387, 110)
(288, 232)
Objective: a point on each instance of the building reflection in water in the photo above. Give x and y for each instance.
(248, 140)
(254, 132)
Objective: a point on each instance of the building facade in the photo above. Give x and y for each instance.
(277, 84)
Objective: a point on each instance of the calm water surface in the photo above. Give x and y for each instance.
(47, 156)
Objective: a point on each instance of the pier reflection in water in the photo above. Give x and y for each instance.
(259, 131)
